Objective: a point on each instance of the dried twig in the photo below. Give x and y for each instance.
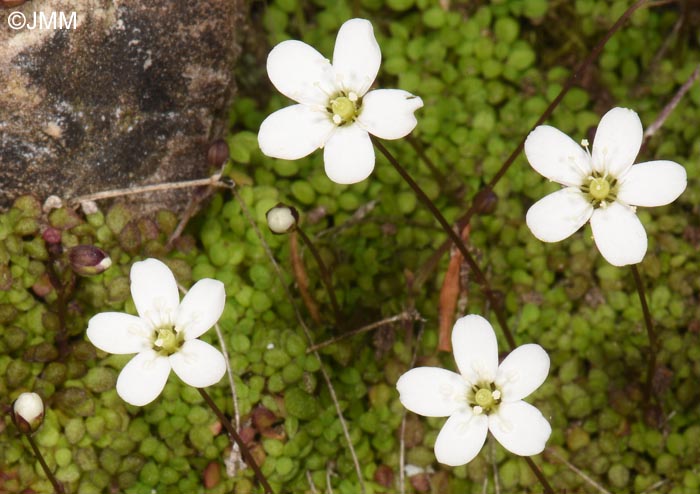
(190, 211)
(329, 486)
(409, 315)
(213, 181)
(310, 480)
(494, 463)
(580, 473)
(359, 215)
(654, 486)
(402, 438)
(307, 332)
(671, 105)
(229, 372)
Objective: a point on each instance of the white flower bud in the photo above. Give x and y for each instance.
(28, 411)
(282, 219)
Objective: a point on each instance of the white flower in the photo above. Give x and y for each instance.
(164, 335)
(28, 409)
(484, 397)
(282, 219)
(335, 112)
(601, 185)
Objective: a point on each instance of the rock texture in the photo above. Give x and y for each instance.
(131, 95)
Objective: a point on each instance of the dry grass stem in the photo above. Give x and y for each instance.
(307, 332)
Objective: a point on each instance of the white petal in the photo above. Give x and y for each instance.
(522, 372)
(349, 155)
(617, 141)
(619, 234)
(388, 113)
(143, 378)
(556, 156)
(154, 290)
(198, 364)
(520, 428)
(119, 333)
(432, 392)
(301, 73)
(655, 183)
(461, 438)
(294, 132)
(356, 57)
(558, 215)
(475, 349)
(201, 308)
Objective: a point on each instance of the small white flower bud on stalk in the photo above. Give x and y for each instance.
(28, 412)
(282, 219)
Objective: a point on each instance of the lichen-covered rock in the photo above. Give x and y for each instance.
(130, 92)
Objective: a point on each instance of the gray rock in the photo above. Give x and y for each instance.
(131, 93)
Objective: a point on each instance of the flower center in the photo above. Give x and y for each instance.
(343, 108)
(484, 398)
(167, 341)
(600, 190)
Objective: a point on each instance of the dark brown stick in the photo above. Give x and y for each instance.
(456, 239)
(651, 334)
(325, 276)
(58, 487)
(247, 456)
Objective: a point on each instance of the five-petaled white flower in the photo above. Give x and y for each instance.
(335, 112)
(601, 185)
(164, 335)
(484, 397)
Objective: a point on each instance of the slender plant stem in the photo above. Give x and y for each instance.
(456, 239)
(61, 299)
(325, 275)
(540, 476)
(418, 148)
(307, 333)
(651, 365)
(58, 487)
(409, 315)
(580, 70)
(247, 456)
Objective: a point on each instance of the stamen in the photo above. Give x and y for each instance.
(477, 410)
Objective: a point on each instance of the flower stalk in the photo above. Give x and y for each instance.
(325, 275)
(540, 476)
(58, 487)
(573, 79)
(27, 413)
(651, 334)
(456, 239)
(245, 451)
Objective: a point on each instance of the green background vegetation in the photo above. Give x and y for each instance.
(486, 71)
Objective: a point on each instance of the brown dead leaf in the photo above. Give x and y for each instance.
(302, 278)
(449, 294)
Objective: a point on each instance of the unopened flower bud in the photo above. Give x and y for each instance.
(282, 219)
(486, 201)
(88, 260)
(218, 153)
(28, 412)
(52, 235)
